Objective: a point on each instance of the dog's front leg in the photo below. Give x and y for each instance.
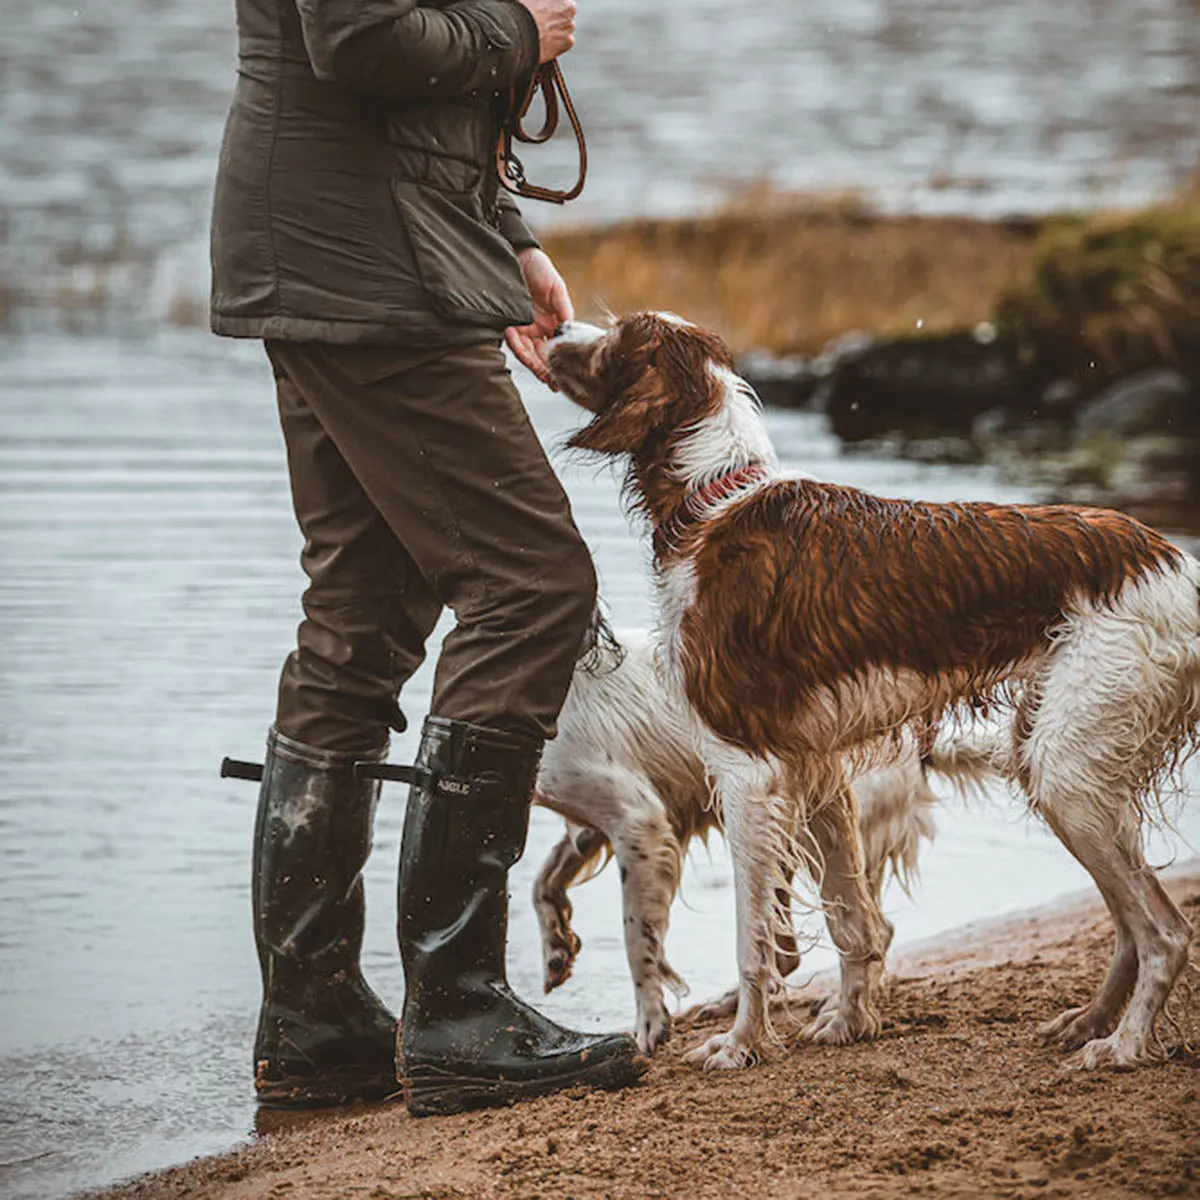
(855, 923)
(649, 859)
(753, 832)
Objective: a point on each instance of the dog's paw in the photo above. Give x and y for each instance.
(837, 1026)
(722, 1052)
(1116, 1052)
(723, 1007)
(653, 1026)
(1077, 1026)
(825, 1004)
(559, 958)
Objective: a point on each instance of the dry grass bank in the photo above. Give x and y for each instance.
(786, 274)
(1113, 293)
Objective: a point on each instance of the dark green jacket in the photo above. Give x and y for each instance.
(357, 199)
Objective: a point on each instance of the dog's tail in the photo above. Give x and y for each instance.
(969, 762)
(896, 802)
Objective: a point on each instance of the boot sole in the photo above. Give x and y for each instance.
(431, 1093)
(322, 1093)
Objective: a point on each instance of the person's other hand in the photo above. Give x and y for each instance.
(551, 307)
(555, 25)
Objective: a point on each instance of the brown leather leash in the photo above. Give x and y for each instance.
(547, 79)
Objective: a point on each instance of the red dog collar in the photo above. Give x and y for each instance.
(666, 535)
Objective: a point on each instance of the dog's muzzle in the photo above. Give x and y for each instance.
(576, 333)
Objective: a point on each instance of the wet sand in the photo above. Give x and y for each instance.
(958, 1097)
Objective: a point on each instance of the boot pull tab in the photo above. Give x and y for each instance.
(423, 777)
(235, 768)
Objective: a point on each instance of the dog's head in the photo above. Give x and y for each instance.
(646, 378)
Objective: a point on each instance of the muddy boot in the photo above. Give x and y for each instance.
(323, 1036)
(466, 1040)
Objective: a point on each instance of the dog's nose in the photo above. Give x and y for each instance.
(576, 333)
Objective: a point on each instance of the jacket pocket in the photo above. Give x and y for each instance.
(467, 269)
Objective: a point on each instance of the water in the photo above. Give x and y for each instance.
(110, 117)
(149, 592)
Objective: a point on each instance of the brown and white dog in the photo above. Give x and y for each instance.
(806, 621)
(624, 774)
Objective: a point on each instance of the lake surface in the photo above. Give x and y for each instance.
(110, 118)
(149, 593)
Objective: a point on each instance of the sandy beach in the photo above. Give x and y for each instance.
(958, 1097)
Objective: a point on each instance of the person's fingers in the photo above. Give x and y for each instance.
(560, 301)
(525, 348)
(518, 343)
(544, 323)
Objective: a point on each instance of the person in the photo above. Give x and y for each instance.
(360, 230)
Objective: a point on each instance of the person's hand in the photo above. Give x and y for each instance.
(551, 307)
(555, 25)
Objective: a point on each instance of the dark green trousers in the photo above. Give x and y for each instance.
(419, 483)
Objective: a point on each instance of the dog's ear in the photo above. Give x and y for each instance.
(628, 418)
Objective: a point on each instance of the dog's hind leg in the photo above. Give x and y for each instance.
(564, 864)
(855, 924)
(1151, 949)
(1099, 1017)
(1093, 732)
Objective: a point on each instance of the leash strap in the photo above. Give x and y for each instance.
(548, 80)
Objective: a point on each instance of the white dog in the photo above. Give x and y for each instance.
(625, 773)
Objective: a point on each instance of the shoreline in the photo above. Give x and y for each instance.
(958, 1096)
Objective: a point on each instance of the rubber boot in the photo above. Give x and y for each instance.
(323, 1036)
(466, 1040)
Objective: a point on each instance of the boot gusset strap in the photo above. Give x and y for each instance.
(423, 777)
(236, 768)
(285, 749)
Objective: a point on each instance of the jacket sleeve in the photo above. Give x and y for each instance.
(512, 225)
(402, 51)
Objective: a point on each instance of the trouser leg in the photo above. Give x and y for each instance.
(440, 448)
(367, 610)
